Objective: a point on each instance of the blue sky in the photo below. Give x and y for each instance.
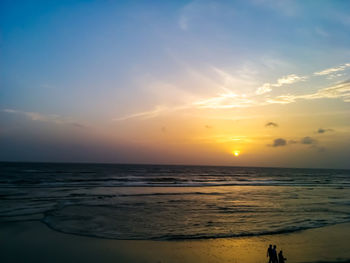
(119, 75)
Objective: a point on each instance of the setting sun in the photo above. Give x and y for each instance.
(236, 153)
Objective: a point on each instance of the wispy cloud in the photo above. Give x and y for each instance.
(231, 100)
(264, 89)
(227, 81)
(287, 7)
(332, 70)
(229, 96)
(225, 101)
(286, 80)
(289, 80)
(144, 114)
(183, 22)
(321, 32)
(282, 99)
(293, 78)
(340, 90)
(159, 110)
(193, 13)
(40, 117)
(225, 138)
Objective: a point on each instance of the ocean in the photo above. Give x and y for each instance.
(165, 202)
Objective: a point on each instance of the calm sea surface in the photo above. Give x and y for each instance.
(172, 202)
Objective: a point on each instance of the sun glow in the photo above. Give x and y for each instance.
(236, 153)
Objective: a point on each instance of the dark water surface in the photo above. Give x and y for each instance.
(172, 202)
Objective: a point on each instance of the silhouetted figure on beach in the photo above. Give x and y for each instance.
(269, 254)
(281, 258)
(274, 255)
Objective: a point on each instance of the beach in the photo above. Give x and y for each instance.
(152, 213)
(35, 242)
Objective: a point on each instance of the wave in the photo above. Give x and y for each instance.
(174, 203)
(188, 237)
(105, 184)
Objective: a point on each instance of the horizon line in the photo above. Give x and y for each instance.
(160, 164)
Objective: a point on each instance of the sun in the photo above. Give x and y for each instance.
(236, 153)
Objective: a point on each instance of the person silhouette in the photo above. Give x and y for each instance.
(269, 253)
(274, 255)
(281, 258)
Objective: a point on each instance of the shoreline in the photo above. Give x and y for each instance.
(283, 232)
(35, 242)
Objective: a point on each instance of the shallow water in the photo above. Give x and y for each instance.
(173, 202)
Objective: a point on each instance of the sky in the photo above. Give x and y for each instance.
(241, 83)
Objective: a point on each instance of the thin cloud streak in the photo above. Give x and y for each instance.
(222, 101)
(226, 101)
(159, 110)
(144, 114)
(332, 70)
(340, 90)
(286, 80)
(229, 99)
(39, 117)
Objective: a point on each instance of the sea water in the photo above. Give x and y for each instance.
(164, 202)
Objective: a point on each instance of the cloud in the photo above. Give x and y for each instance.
(143, 114)
(35, 116)
(332, 70)
(195, 12)
(264, 89)
(290, 79)
(282, 99)
(183, 22)
(333, 76)
(271, 124)
(225, 101)
(152, 113)
(279, 142)
(312, 143)
(229, 99)
(286, 80)
(321, 130)
(286, 7)
(321, 32)
(308, 140)
(340, 90)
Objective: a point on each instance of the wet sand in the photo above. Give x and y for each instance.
(35, 242)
